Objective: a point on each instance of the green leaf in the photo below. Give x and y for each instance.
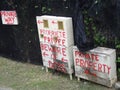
(90, 19)
(49, 9)
(36, 6)
(94, 28)
(43, 9)
(118, 69)
(118, 46)
(118, 59)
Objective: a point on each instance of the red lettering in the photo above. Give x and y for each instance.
(94, 66)
(64, 60)
(92, 56)
(8, 13)
(64, 36)
(104, 68)
(50, 64)
(100, 67)
(64, 51)
(82, 63)
(96, 58)
(44, 54)
(44, 47)
(76, 53)
(63, 42)
(86, 71)
(59, 33)
(77, 61)
(59, 40)
(9, 20)
(58, 66)
(87, 56)
(39, 22)
(89, 63)
(108, 69)
(41, 31)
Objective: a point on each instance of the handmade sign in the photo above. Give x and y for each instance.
(56, 42)
(62, 53)
(54, 30)
(57, 65)
(97, 65)
(9, 17)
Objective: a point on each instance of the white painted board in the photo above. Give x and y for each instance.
(9, 17)
(55, 30)
(97, 65)
(57, 65)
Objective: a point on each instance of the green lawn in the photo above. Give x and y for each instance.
(23, 76)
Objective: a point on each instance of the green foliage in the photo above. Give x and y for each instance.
(91, 28)
(119, 69)
(118, 59)
(46, 10)
(99, 39)
(117, 46)
(117, 43)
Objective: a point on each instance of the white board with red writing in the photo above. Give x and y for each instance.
(9, 17)
(57, 65)
(55, 30)
(56, 42)
(97, 65)
(59, 54)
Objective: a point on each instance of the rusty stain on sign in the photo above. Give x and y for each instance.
(60, 25)
(45, 23)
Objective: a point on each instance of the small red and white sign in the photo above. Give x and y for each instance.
(9, 17)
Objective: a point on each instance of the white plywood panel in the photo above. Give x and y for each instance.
(56, 52)
(57, 65)
(56, 31)
(63, 54)
(47, 62)
(96, 65)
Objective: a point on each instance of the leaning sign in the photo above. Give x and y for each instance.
(9, 17)
(97, 65)
(56, 42)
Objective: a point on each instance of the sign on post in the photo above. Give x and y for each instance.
(9, 17)
(97, 65)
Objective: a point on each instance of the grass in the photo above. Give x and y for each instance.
(24, 76)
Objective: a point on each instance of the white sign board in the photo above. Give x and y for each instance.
(56, 42)
(9, 17)
(59, 55)
(97, 65)
(56, 31)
